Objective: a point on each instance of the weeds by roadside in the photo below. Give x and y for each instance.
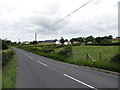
(9, 74)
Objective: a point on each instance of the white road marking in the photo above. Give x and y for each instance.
(26, 54)
(80, 82)
(41, 63)
(30, 57)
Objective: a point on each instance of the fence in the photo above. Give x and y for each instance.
(89, 56)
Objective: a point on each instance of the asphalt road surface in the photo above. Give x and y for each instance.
(34, 71)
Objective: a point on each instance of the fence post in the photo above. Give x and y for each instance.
(100, 56)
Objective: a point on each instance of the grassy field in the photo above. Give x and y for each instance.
(107, 52)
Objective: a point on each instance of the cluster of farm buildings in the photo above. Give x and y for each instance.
(46, 42)
(57, 42)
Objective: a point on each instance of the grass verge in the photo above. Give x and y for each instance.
(9, 74)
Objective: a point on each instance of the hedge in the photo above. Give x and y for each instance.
(6, 56)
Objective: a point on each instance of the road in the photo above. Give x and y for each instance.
(34, 71)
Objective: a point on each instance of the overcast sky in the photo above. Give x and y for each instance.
(22, 18)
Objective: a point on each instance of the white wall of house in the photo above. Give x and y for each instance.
(66, 43)
(57, 42)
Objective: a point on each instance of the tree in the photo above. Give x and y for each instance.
(98, 39)
(74, 40)
(19, 42)
(80, 39)
(62, 41)
(89, 39)
(4, 45)
(56, 40)
(34, 42)
(110, 37)
(14, 43)
(66, 40)
(71, 40)
(104, 40)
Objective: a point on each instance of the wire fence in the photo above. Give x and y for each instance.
(88, 56)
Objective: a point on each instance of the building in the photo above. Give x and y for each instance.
(47, 42)
(25, 42)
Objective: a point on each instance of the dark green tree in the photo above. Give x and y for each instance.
(62, 41)
(89, 39)
(98, 39)
(4, 44)
(80, 40)
(66, 40)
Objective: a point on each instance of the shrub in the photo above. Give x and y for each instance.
(6, 56)
(116, 58)
(66, 52)
(4, 45)
(47, 49)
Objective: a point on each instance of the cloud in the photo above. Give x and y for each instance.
(23, 18)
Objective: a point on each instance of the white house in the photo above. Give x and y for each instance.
(25, 42)
(57, 42)
(66, 43)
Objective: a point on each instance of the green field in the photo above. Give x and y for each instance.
(107, 52)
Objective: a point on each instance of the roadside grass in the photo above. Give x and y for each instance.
(9, 74)
(98, 64)
(0, 78)
(79, 56)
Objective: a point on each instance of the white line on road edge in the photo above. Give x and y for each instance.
(80, 82)
(30, 57)
(41, 63)
(26, 54)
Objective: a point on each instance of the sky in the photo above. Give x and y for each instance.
(21, 19)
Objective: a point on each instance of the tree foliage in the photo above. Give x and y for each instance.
(97, 40)
(5, 44)
(66, 52)
(62, 41)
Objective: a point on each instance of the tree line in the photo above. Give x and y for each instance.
(7, 43)
(89, 39)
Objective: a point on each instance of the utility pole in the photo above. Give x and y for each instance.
(35, 36)
(19, 40)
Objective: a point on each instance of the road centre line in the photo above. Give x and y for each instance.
(41, 63)
(80, 82)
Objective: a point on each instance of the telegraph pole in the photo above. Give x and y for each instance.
(35, 36)
(19, 40)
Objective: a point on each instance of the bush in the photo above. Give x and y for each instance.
(6, 56)
(4, 45)
(47, 49)
(66, 52)
(116, 58)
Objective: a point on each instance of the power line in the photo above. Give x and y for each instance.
(70, 13)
